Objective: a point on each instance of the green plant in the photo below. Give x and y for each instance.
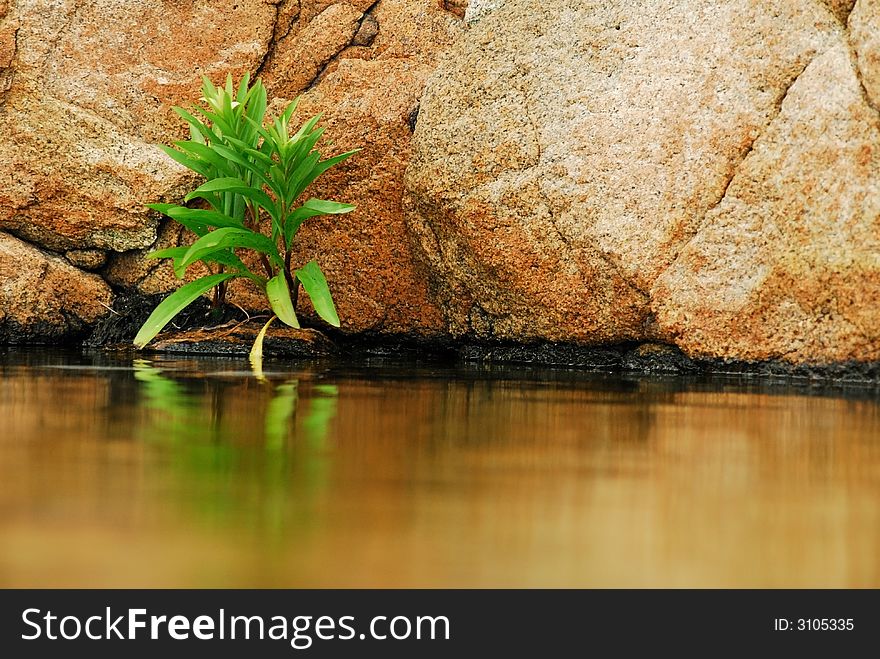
(254, 172)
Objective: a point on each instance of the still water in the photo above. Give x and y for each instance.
(196, 473)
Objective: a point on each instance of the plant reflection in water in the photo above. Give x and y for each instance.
(212, 435)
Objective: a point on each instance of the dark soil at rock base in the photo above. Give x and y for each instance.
(118, 329)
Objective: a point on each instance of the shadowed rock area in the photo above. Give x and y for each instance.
(44, 299)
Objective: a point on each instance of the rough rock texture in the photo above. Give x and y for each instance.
(703, 172)
(87, 259)
(92, 84)
(788, 264)
(476, 9)
(840, 8)
(43, 298)
(457, 7)
(8, 31)
(133, 271)
(864, 28)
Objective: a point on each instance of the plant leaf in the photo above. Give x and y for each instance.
(290, 109)
(302, 171)
(243, 87)
(305, 129)
(229, 259)
(162, 208)
(249, 150)
(206, 133)
(319, 169)
(255, 111)
(219, 122)
(196, 220)
(176, 254)
(230, 237)
(206, 153)
(196, 165)
(307, 142)
(168, 253)
(224, 257)
(210, 218)
(237, 186)
(174, 303)
(255, 168)
(315, 284)
(194, 225)
(256, 354)
(279, 298)
(312, 208)
(327, 207)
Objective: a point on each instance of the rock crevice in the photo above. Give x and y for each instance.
(734, 169)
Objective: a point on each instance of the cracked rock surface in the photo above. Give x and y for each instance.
(701, 172)
(788, 265)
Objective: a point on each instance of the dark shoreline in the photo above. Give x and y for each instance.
(115, 331)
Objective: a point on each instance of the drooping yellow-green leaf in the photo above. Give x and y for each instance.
(279, 298)
(256, 355)
(315, 284)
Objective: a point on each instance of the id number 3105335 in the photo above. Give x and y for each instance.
(813, 624)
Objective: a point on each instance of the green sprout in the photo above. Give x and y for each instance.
(254, 173)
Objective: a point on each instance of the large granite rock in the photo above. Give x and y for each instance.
(702, 172)
(43, 298)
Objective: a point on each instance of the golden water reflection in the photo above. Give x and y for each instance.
(195, 473)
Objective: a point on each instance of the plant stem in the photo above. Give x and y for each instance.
(292, 282)
(266, 266)
(251, 222)
(219, 299)
(294, 295)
